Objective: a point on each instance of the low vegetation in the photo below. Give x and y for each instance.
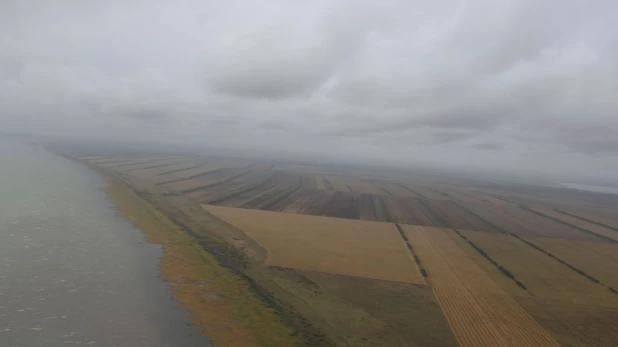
(411, 248)
(342, 284)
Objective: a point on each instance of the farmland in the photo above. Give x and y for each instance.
(552, 289)
(479, 312)
(330, 245)
(351, 256)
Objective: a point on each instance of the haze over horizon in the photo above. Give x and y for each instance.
(524, 86)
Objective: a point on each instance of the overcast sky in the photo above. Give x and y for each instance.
(488, 83)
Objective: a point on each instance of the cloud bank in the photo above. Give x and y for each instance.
(478, 81)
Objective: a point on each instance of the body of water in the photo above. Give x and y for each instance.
(72, 272)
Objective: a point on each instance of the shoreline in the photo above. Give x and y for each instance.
(220, 276)
(218, 301)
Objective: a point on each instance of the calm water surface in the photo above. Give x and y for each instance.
(72, 272)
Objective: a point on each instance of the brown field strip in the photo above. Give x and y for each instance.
(297, 201)
(324, 244)
(359, 186)
(399, 189)
(339, 183)
(156, 165)
(382, 187)
(182, 168)
(426, 192)
(191, 173)
(479, 312)
(525, 223)
(319, 183)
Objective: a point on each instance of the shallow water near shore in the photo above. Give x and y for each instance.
(72, 272)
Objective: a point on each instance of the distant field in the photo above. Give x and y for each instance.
(580, 223)
(544, 276)
(602, 217)
(525, 223)
(600, 260)
(479, 312)
(330, 245)
(559, 297)
(500, 264)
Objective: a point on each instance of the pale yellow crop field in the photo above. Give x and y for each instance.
(478, 310)
(600, 260)
(323, 244)
(544, 276)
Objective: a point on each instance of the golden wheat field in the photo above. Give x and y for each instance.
(339, 246)
(479, 312)
(543, 276)
(600, 260)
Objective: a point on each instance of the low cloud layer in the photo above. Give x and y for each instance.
(471, 81)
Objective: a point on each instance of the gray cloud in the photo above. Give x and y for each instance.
(155, 116)
(455, 78)
(490, 146)
(278, 63)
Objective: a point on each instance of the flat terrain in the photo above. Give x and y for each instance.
(368, 256)
(556, 295)
(479, 312)
(323, 244)
(582, 224)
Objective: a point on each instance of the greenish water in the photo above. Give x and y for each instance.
(72, 272)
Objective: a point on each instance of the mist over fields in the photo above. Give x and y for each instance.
(513, 86)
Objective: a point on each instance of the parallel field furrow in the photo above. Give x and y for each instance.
(479, 312)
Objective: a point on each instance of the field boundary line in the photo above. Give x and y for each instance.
(181, 169)
(191, 190)
(151, 167)
(417, 260)
(530, 210)
(538, 248)
(587, 220)
(503, 322)
(243, 190)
